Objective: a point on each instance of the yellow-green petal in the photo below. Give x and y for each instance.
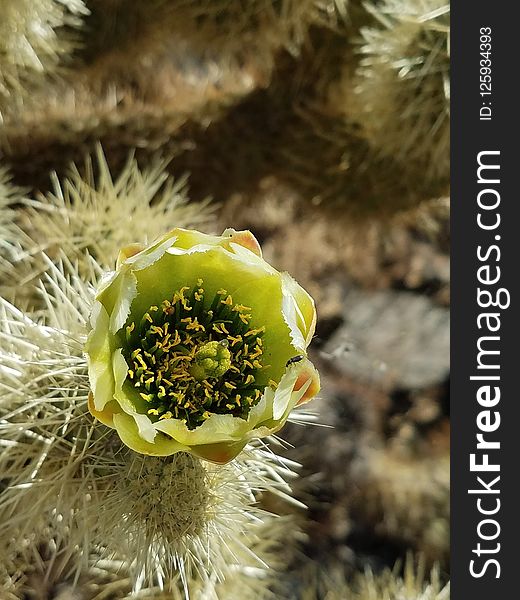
(127, 430)
(99, 351)
(299, 312)
(131, 403)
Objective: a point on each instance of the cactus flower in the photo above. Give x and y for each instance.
(198, 345)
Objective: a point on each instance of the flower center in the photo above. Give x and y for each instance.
(188, 361)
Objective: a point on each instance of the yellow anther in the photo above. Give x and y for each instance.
(235, 340)
(228, 301)
(273, 384)
(240, 308)
(141, 361)
(220, 328)
(179, 363)
(167, 307)
(258, 352)
(195, 325)
(200, 282)
(255, 331)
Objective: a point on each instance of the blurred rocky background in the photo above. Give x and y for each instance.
(322, 126)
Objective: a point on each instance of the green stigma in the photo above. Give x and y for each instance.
(212, 359)
(192, 357)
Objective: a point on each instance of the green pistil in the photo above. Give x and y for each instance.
(212, 359)
(190, 358)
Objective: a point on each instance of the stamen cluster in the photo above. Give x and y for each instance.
(188, 361)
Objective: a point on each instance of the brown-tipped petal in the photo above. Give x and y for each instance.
(308, 373)
(128, 251)
(245, 238)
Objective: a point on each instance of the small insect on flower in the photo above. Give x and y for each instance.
(293, 360)
(193, 346)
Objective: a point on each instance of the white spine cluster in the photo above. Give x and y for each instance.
(402, 91)
(174, 523)
(33, 39)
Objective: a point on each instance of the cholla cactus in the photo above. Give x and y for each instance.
(413, 584)
(36, 566)
(9, 233)
(74, 493)
(95, 213)
(172, 521)
(33, 39)
(402, 91)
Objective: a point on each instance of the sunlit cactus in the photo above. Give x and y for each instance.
(36, 566)
(401, 92)
(175, 522)
(321, 126)
(34, 37)
(91, 211)
(9, 196)
(330, 582)
(74, 494)
(11, 236)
